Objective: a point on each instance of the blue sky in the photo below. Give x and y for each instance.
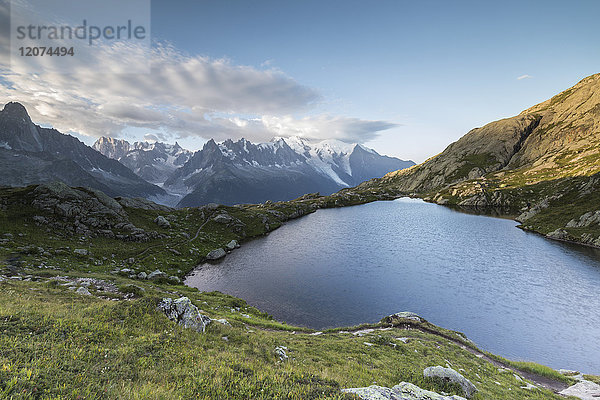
(438, 68)
(427, 70)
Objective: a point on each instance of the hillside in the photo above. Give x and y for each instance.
(79, 317)
(542, 165)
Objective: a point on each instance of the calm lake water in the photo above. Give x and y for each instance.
(514, 293)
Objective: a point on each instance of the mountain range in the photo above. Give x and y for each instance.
(152, 161)
(243, 172)
(31, 154)
(227, 173)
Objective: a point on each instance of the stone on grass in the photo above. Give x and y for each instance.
(585, 390)
(216, 254)
(162, 222)
(281, 352)
(185, 313)
(157, 274)
(402, 391)
(450, 375)
(84, 291)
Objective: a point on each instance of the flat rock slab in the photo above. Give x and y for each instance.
(585, 390)
(402, 391)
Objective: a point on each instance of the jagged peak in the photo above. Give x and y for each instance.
(16, 110)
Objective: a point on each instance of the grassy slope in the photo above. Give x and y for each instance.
(58, 344)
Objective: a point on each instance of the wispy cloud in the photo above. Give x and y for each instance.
(520, 78)
(183, 96)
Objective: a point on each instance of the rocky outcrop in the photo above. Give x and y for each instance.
(84, 211)
(185, 313)
(584, 390)
(402, 391)
(216, 254)
(162, 222)
(400, 317)
(450, 375)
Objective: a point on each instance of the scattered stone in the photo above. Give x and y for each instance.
(175, 279)
(529, 386)
(363, 332)
(225, 338)
(450, 375)
(404, 340)
(83, 291)
(162, 222)
(222, 321)
(81, 252)
(185, 313)
(368, 344)
(402, 391)
(216, 254)
(142, 275)
(281, 352)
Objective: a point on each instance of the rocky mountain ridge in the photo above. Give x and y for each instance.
(285, 168)
(152, 161)
(543, 164)
(30, 154)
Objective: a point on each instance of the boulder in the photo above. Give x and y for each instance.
(585, 390)
(232, 245)
(399, 316)
(162, 222)
(281, 352)
(83, 291)
(157, 274)
(142, 275)
(185, 313)
(450, 375)
(81, 252)
(402, 391)
(559, 234)
(216, 254)
(223, 218)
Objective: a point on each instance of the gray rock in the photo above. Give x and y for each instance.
(559, 234)
(142, 275)
(222, 321)
(185, 313)
(587, 219)
(162, 222)
(81, 252)
(450, 375)
(83, 291)
(175, 279)
(223, 218)
(157, 274)
(585, 390)
(395, 318)
(402, 391)
(281, 352)
(216, 254)
(232, 245)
